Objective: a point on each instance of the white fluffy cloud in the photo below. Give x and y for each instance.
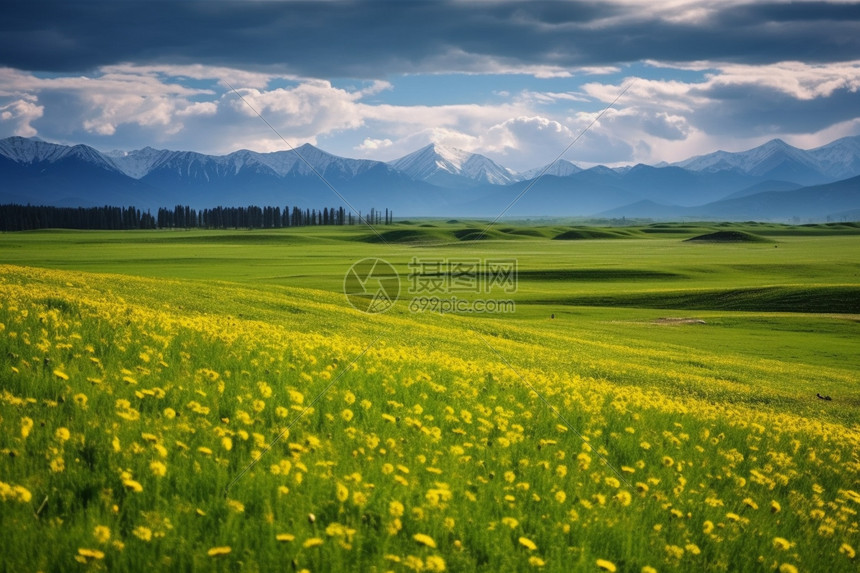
(370, 144)
(18, 115)
(196, 107)
(733, 107)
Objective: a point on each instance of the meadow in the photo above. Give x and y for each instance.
(209, 401)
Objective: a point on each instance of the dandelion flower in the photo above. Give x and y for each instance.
(692, 548)
(434, 563)
(143, 533)
(606, 565)
(101, 533)
(61, 375)
(395, 509)
(158, 469)
(26, 426)
(341, 492)
(285, 537)
(424, 539)
(623, 497)
(787, 568)
(359, 498)
(91, 553)
(394, 526)
(847, 550)
(527, 543)
(312, 542)
(781, 543)
(218, 551)
(536, 561)
(62, 434)
(132, 485)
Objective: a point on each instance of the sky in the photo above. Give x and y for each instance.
(515, 81)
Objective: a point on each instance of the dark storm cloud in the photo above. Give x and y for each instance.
(761, 110)
(373, 39)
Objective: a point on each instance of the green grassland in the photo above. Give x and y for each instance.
(665, 417)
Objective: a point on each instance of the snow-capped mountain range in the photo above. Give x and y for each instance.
(453, 167)
(433, 180)
(837, 160)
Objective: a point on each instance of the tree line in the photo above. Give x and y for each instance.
(15, 217)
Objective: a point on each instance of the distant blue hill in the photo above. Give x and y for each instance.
(773, 181)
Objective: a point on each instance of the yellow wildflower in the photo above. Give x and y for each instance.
(142, 532)
(26, 426)
(101, 533)
(424, 539)
(342, 493)
(91, 553)
(218, 551)
(158, 468)
(132, 485)
(395, 509)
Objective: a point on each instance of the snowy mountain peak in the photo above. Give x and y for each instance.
(841, 158)
(560, 168)
(774, 159)
(24, 150)
(448, 166)
(29, 151)
(138, 163)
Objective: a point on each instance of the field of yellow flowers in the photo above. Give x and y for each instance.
(141, 429)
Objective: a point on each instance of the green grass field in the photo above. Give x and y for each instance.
(208, 400)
